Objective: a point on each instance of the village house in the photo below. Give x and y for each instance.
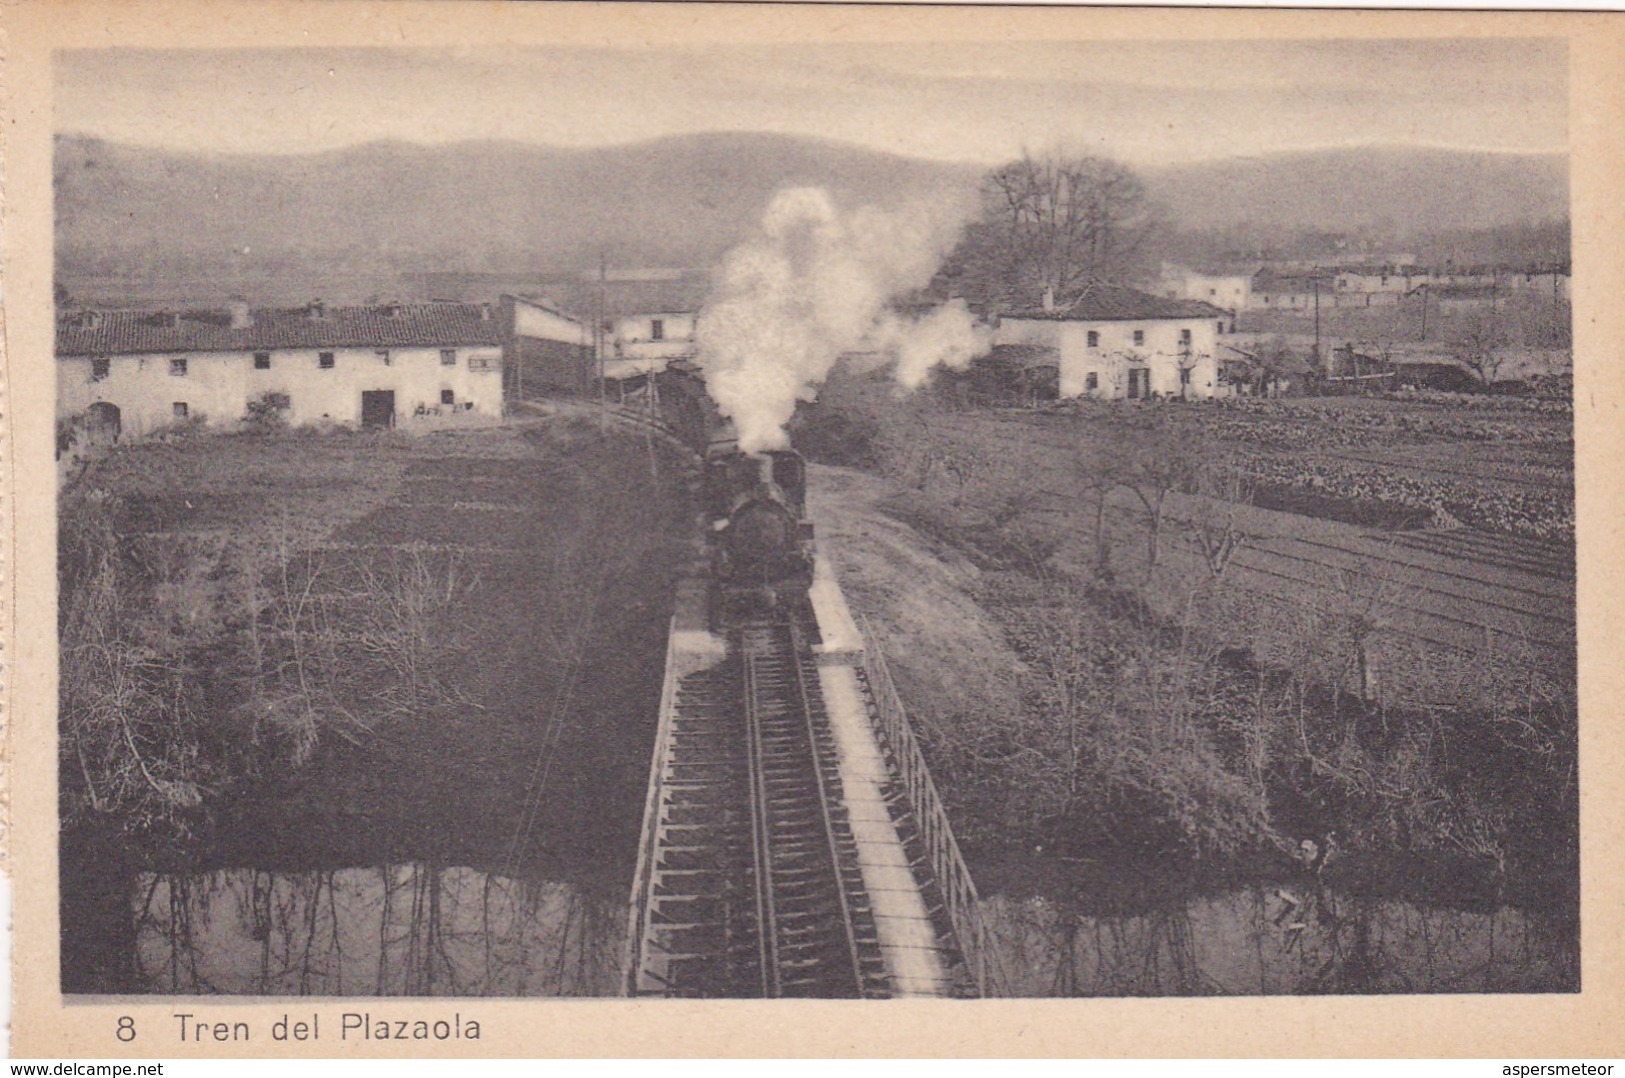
(646, 316)
(652, 319)
(1372, 286)
(1121, 343)
(653, 338)
(1232, 292)
(1290, 289)
(134, 372)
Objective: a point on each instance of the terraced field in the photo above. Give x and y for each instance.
(1486, 567)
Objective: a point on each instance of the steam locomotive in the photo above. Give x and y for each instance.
(755, 506)
(761, 539)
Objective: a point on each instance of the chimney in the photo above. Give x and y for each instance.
(392, 309)
(241, 316)
(1049, 299)
(485, 312)
(316, 310)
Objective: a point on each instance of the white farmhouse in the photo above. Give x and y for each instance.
(1119, 343)
(134, 371)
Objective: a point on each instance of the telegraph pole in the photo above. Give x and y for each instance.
(598, 344)
(1314, 278)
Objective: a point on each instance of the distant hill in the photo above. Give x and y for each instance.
(366, 213)
(139, 226)
(1403, 188)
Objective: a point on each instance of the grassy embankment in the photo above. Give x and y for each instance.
(1069, 609)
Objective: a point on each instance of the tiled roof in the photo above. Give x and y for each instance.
(1113, 303)
(1292, 280)
(399, 326)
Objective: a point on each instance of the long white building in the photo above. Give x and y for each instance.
(133, 372)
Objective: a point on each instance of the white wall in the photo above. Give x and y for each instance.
(534, 320)
(1232, 293)
(633, 336)
(1160, 351)
(219, 385)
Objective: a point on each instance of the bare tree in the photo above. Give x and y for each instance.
(1478, 343)
(1051, 225)
(1164, 460)
(1096, 468)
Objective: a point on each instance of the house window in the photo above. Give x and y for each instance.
(448, 397)
(262, 361)
(100, 367)
(324, 360)
(1139, 336)
(1184, 376)
(177, 367)
(383, 356)
(1094, 339)
(1185, 337)
(657, 329)
(1091, 380)
(1221, 327)
(178, 409)
(448, 357)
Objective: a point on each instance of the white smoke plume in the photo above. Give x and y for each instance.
(812, 284)
(947, 337)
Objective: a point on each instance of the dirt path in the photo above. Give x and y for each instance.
(949, 656)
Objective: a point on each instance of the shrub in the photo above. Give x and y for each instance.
(268, 411)
(829, 435)
(67, 436)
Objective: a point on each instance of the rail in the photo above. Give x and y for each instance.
(761, 841)
(798, 650)
(953, 877)
(642, 881)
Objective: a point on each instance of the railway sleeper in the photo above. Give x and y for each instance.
(694, 794)
(705, 815)
(674, 913)
(697, 859)
(700, 939)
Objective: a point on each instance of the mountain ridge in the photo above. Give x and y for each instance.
(197, 223)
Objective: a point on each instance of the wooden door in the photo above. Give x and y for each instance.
(378, 408)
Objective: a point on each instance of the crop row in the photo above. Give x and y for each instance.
(1303, 425)
(1515, 510)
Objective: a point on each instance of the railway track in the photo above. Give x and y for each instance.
(754, 889)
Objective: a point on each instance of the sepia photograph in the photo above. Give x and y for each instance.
(754, 547)
(978, 517)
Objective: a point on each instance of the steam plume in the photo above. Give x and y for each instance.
(811, 284)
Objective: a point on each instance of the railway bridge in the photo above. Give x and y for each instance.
(793, 842)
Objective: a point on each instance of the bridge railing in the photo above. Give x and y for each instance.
(642, 879)
(952, 875)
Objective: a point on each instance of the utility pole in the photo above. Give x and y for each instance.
(1422, 289)
(598, 344)
(1314, 278)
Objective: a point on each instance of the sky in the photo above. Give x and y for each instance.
(1145, 102)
